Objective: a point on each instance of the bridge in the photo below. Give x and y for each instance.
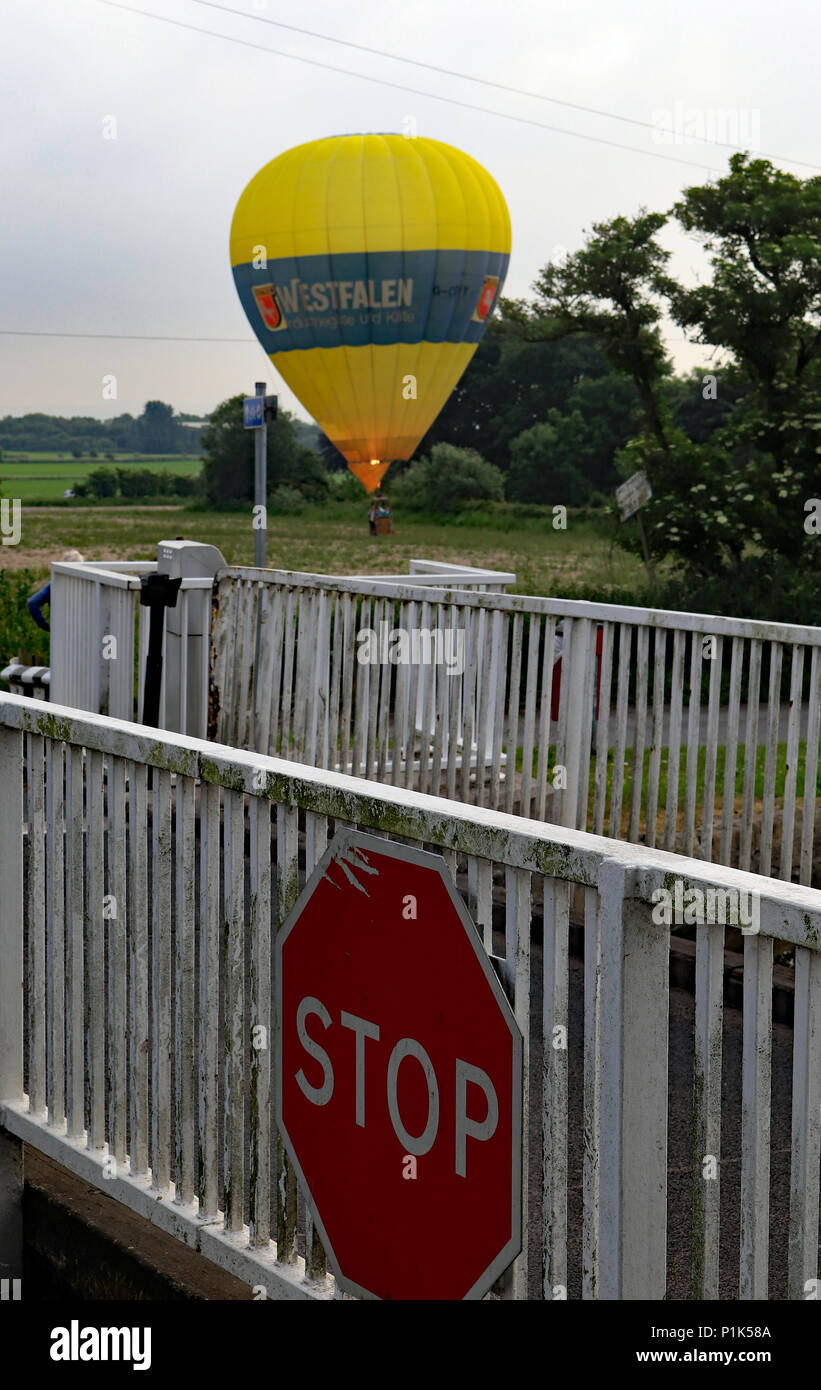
(146, 873)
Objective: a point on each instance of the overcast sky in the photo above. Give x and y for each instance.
(130, 235)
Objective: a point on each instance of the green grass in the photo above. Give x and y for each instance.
(721, 758)
(46, 478)
(330, 539)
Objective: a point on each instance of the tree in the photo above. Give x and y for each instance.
(614, 289)
(599, 416)
(158, 432)
(762, 307)
(610, 290)
(698, 410)
(542, 468)
(103, 482)
(514, 379)
(141, 482)
(228, 458)
(448, 479)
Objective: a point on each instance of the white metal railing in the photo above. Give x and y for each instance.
(99, 643)
(516, 729)
(128, 900)
(99, 631)
(594, 716)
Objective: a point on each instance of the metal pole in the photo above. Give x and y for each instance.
(260, 482)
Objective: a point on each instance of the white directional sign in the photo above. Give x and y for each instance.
(633, 494)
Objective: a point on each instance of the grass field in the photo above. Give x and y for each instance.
(45, 477)
(721, 755)
(332, 538)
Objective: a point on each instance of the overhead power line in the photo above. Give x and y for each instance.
(415, 91)
(144, 337)
(132, 337)
(483, 81)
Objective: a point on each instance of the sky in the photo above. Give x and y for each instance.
(125, 141)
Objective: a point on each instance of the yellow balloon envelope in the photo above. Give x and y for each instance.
(368, 266)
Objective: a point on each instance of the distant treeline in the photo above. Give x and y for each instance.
(157, 431)
(130, 483)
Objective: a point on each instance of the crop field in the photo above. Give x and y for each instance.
(45, 477)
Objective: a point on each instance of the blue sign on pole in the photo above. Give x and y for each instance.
(253, 412)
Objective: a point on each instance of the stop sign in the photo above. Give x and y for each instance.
(399, 1076)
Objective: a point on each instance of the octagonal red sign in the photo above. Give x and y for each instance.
(399, 1076)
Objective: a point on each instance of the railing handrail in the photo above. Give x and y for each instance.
(432, 577)
(117, 574)
(708, 624)
(417, 565)
(515, 841)
(74, 1101)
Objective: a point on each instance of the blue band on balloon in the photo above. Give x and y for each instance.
(378, 297)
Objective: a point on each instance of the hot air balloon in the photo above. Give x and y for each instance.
(368, 266)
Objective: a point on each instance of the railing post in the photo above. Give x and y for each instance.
(574, 663)
(11, 1001)
(633, 1032)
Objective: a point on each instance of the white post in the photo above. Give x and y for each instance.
(633, 1038)
(574, 661)
(11, 1002)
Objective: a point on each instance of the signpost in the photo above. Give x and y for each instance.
(630, 496)
(399, 1086)
(257, 411)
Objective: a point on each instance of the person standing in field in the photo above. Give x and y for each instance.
(384, 525)
(372, 518)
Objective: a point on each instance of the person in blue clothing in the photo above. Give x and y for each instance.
(42, 598)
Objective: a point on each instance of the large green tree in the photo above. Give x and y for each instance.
(610, 292)
(615, 290)
(762, 306)
(447, 480)
(228, 458)
(543, 468)
(731, 474)
(513, 381)
(158, 432)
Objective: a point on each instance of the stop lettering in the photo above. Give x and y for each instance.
(399, 1076)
